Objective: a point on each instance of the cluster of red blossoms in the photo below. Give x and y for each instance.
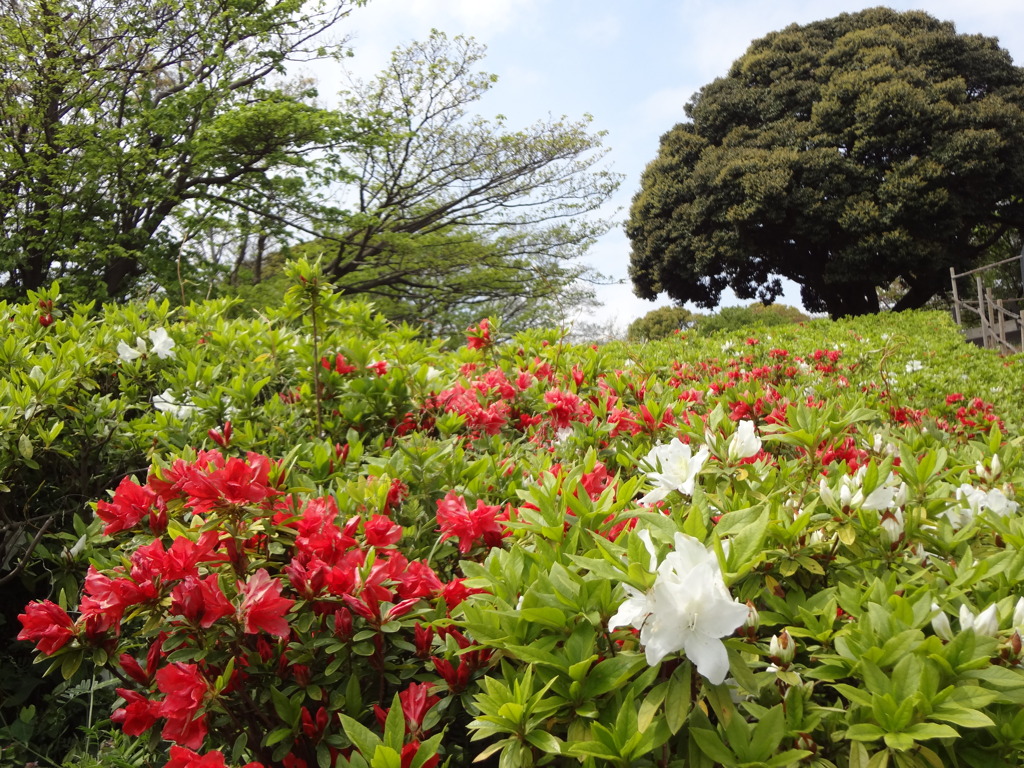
(214, 576)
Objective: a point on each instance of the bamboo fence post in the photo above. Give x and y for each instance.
(956, 296)
(985, 330)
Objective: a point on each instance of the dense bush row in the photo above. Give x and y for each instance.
(327, 541)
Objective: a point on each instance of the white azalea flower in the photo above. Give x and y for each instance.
(973, 501)
(166, 403)
(688, 609)
(940, 624)
(127, 354)
(1018, 614)
(914, 365)
(985, 623)
(744, 442)
(891, 527)
(163, 344)
(997, 501)
(679, 468)
(562, 435)
(990, 473)
(891, 493)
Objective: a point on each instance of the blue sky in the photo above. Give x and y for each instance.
(631, 65)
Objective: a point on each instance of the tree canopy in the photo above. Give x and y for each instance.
(450, 208)
(162, 148)
(126, 124)
(844, 155)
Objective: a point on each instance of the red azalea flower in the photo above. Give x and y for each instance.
(166, 482)
(185, 690)
(595, 482)
(308, 576)
(396, 493)
(380, 531)
(416, 701)
(457, 521)
(153, 658)
(186, 758)
(314, 727)
(138, 715)
(131, 503)
(380, 367)
(185, 555)
(263, 608)
(318, 533)
(479, 336)
(105, 599)
(415, 579)
(340, 365)
(423, 639)
(47, 625)
(409, 756)
(455, 591)
(200, 602)
(239, 482)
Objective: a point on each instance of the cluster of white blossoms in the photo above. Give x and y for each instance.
(688, 609)
(890, 493)
(161, 345)
(675, 465)
(973, 501)
(986, 622)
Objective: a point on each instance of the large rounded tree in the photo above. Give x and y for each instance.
(842, 154)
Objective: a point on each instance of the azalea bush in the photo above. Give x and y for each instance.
(344, 545)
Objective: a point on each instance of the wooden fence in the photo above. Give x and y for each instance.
(999, 326)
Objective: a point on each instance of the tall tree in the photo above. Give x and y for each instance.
(122, 121)
(844, 155)
(451, 208)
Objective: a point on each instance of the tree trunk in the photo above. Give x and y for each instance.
(921, 291)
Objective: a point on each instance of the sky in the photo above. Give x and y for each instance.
(632, 66)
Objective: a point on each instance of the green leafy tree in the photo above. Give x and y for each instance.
(456, 210)
(757, 314)
(127, 126)
(660, 323)
(841, 154)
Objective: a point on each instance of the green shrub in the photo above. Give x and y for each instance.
(522, 526)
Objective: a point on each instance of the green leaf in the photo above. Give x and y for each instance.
(922, 731)
(386, 757)
(545, 741)
(901, 741)
(394, 725)
(277, 735)
(365, 740)
(768, 733)
(612, 673)
(678, 699)
(712, 746)
(965, 718)
(865, 732)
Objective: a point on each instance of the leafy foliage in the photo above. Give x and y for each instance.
(389, 553)
(842, 154)
(125, 127)
(449, 204)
